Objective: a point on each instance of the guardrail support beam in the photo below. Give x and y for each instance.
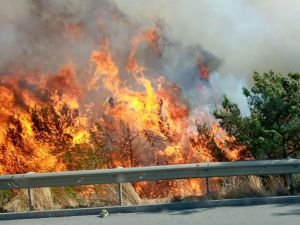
(207, 188)
(292, 184)
(30, 199)
(120, 194)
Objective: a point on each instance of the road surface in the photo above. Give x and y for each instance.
(246, 215)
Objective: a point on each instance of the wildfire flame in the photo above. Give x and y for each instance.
(47, 125)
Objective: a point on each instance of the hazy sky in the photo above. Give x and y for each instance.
(246, 34)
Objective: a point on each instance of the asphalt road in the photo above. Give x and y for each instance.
(246, 215)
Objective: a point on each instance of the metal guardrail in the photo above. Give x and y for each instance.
(123, 175)
(150, 173)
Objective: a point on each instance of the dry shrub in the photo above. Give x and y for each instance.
(65, 197)
(108, 194)
(252, 186)
(231, 187)
(70, 197)
(275, 186)
(18, 202)
(242, 187)
(129, 195)
(42, 200)
(5, 197)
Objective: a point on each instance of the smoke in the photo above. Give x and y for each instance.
(231, 38)
(246, 35)
(43, 35)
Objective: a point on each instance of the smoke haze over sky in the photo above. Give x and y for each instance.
(247, 35)
(240, 36)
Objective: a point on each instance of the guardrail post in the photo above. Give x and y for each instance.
(30, 196)
(120, 194)
(292, 184)
(207, 187)
(30, 199)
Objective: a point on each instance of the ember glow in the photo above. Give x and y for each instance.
(112, 111)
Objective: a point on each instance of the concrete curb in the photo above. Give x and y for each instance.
(151, 208)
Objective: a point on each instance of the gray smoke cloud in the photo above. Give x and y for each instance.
(246, 35)
(36, 34)
(232, 38)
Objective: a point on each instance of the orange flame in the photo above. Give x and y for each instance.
(44, 122)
